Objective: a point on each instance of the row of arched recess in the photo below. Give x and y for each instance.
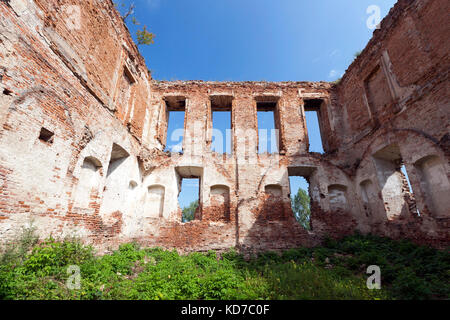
(219, 200)
(404, 173)
(382, 190)
(337, 194)
(94, 183)
(120, 189)
(427, 191)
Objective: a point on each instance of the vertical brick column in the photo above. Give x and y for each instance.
(293, 124)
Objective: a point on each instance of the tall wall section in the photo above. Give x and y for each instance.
(74, 99)
(84, 132)
(394, 100)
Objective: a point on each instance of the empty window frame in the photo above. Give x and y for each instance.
(175, 119)
(300, 200)
(410, 189)
(189, 199)
(221, 113)
(313, 125)
(269, 137)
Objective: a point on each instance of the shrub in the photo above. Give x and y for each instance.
(334, 271)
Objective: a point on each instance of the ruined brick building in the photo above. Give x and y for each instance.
(83, 129)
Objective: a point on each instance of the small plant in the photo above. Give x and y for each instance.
(144, 37)
(16, 250)
(336, 82)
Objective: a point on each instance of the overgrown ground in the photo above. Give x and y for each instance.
(335, 271)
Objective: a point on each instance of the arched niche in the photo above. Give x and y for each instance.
(434, 185)
(337, 194)
(89, 180)
(369, 197)
(220, 201)
(273, 190)
(120, 169)
(155, 201)
(118, 156)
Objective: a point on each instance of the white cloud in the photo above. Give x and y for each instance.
(335, 74)
(334, 52)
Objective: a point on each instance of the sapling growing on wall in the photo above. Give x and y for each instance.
(144, 37)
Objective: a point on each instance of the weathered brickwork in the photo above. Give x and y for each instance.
(84, 132)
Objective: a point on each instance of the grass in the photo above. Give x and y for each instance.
(337, 270)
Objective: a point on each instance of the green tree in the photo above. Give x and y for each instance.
(189, 212)
(144, 37)
(302, 208)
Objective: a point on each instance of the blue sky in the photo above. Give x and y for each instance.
(253, 40)
(238, 40)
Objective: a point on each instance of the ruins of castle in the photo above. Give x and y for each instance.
(83, 132)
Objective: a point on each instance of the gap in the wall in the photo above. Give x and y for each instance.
(221, 137)
(175, 131)
(189, 198)
(300, 200)
(405, 173)
(267, 131)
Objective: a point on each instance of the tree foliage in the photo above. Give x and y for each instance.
(144, 37)
(302, 208)
(189, 212)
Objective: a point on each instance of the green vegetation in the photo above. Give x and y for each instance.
(334, 271)
(336, 82)
(144, 37)
(302, 208)
(189, 212)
